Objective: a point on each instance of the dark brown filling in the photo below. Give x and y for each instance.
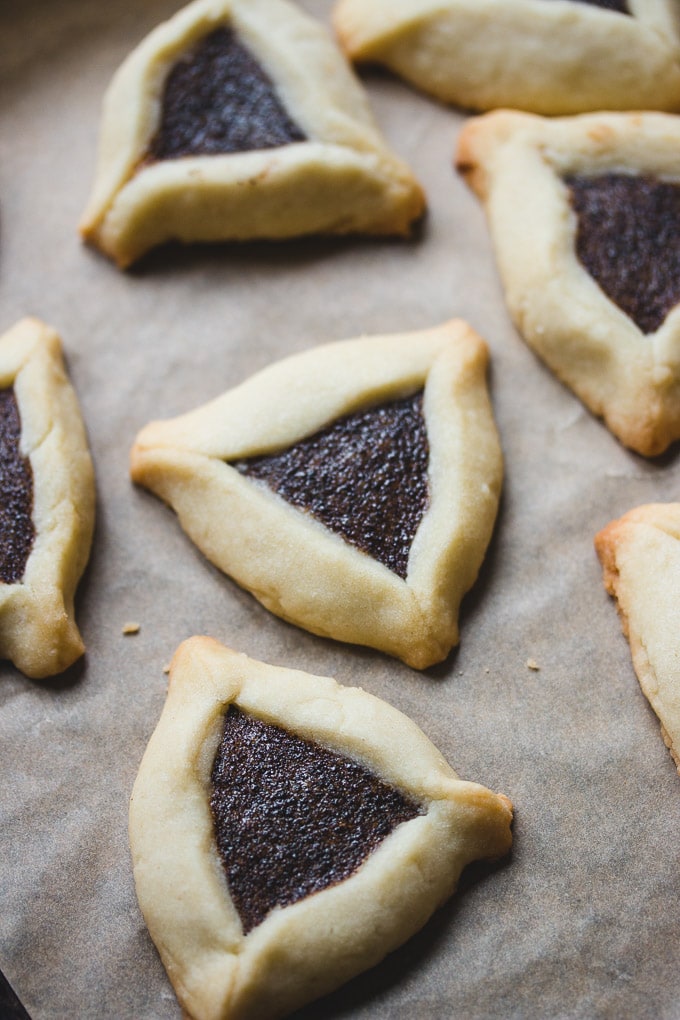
(621, 6)
(218, 99)
(364, 477)
(290, 817)
(628, 239)
(16, 494)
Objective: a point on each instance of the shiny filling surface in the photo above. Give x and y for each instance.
(17, 532)
(218, 99)
(364, 477)
(291, 817)
(628, 238)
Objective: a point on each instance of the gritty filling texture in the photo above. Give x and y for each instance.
(628, 239)
(218, 99)
(364, 477)
(16, 494)
(291, 817)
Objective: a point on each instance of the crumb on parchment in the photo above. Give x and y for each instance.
(532, 664)
(130, 628)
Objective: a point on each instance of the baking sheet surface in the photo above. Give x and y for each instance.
(579, 922)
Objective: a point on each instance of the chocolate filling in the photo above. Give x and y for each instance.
(628, 239)
(364, 477)
(16, 494)
(291, 817)
(620, 6)
(218, 99)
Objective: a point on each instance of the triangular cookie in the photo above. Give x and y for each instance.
(287, 833)
(239, 119)
(407, 538)
(585, 217)
(547, 56)
(46, 502)
(640, 555)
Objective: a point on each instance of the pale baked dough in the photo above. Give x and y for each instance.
(343, 179)
(547, 56)
(640, 555)
(304, 950)
(515, 163)
(294, 565)
(37, 626)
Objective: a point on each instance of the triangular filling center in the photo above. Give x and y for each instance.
(364, 477)
(16, 494)
(218, 99)
(628, 239)
(291, 817)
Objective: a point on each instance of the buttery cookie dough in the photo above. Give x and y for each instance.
(352, 488)
(640, 556)
(236, 120)
(46, 502)
(546, 56)
(357, 830)
(584, 213)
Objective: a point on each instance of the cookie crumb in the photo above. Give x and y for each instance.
(166, 668)
(532, 664)
(130, 628)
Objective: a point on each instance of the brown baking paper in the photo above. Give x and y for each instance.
(579, 921)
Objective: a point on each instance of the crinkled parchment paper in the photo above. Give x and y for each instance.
(580, 920)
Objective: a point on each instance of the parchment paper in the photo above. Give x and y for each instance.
(581, 920)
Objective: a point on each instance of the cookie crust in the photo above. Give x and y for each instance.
(305, 950)
(344, 179)
(557, 57)
(640, 556)
(516, 164)
(289, 561)
(38, 631)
